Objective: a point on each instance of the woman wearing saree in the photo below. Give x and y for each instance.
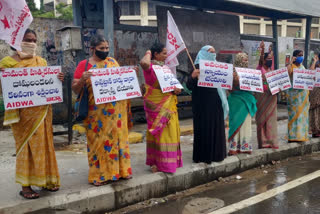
(163, 133)
(36, 163)
(242, 106)
(314, 112)
(266, 115)
(298, 105)
(209, 108)
(106, 124)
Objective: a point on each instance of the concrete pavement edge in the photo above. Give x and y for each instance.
(124, 193)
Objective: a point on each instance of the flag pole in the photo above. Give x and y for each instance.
(194, 67)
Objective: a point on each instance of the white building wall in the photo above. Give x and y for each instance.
(259, 26)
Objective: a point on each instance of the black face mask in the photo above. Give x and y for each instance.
(268, 63)
(102, 54)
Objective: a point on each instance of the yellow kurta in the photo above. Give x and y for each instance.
(36, 162)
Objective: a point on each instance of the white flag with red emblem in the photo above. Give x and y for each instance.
(15, 18)
(174, 44)
(172, 64)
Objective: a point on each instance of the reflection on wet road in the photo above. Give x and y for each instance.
(289, 186)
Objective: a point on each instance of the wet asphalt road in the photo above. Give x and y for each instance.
(303, 199)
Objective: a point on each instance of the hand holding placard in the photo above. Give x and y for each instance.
(317, 82)
(167, 80)
(31, 86)
(303, 79)
(114, 84)
(250, 79)
(215, 75)
(278, 80)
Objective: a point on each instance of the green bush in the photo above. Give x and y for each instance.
(65, 12)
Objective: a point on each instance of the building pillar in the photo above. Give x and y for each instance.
(241, 24)
(275, 43)
(109, 24)
(77, 19)
(144, 13)
(284, 28)
(319, 29)
(263, 27)
(307, 41)
(303, 28)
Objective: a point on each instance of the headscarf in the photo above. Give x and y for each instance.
(205, 55)
(238, 62)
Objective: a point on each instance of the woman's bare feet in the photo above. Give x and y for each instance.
(154, 169)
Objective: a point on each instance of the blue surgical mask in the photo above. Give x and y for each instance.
(209, 56)
(214, 56)
(299, 59)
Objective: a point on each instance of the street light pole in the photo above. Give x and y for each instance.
(109, 24)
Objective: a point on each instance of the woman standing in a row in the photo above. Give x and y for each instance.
(266, 116)
(298, 105)
(208, 104)
(163, 133)
(36, 163)
(315, 103)
(243, 107)
(106, 124)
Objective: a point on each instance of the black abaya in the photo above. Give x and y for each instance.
(208, 124)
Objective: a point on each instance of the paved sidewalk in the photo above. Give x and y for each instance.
(138, 132)
(76, 195)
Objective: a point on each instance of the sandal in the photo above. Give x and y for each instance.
(53, 189)
(127, 178)
(29, 195)
(99, 184)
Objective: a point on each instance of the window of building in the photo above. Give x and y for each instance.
(251, 17)
(315, 21)
(129, 8)
(269, 31)
(251, 29)
(314, 33)
(293, 31)
(151, 9)
(295, 20)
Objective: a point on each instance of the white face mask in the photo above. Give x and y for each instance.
(28, 50)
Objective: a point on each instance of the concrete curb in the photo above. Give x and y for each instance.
(124, 193)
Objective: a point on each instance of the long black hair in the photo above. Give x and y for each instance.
(97, 40)
(296, 52)
(156, 48)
